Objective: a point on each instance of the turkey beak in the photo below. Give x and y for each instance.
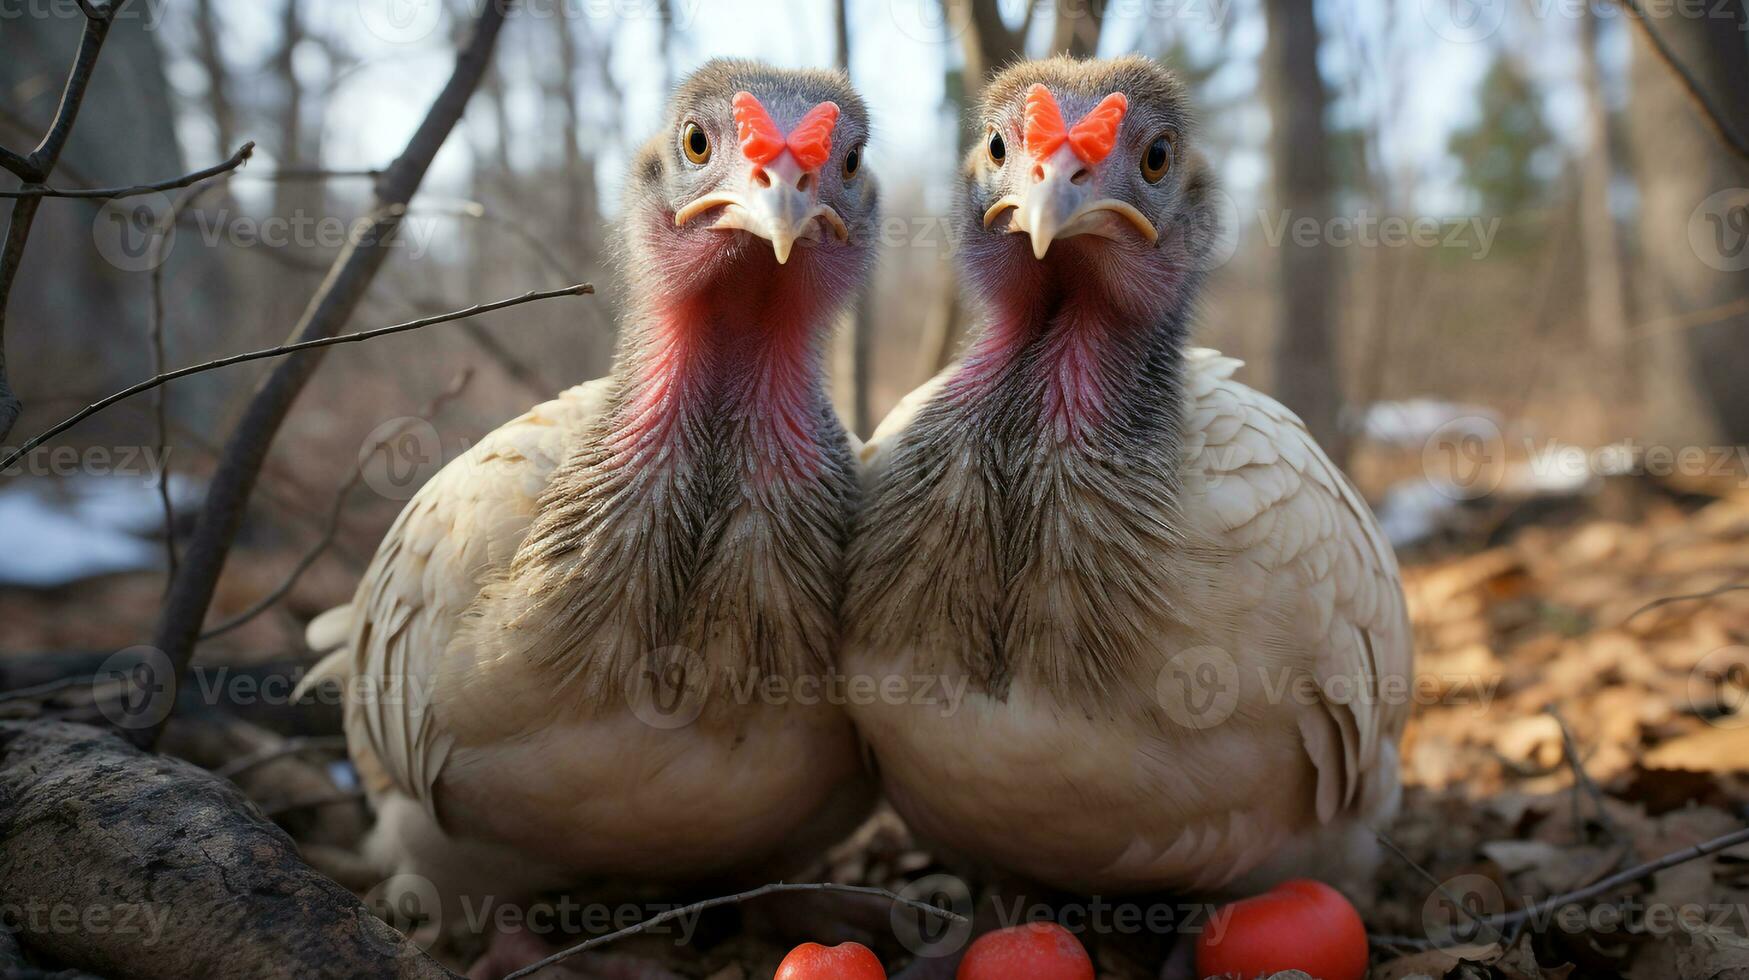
(780, 205)
(1062, 200)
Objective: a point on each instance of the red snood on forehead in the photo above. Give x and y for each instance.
(810, 142)
(1092, 138)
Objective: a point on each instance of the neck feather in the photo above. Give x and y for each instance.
(738, 358)
(1086, 362)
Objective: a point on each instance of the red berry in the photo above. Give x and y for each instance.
(846, 961)
(1035, 951)
(1297, 925)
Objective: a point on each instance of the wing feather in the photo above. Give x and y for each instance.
(462, 525)
(1275, 501)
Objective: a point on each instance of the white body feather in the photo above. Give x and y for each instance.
(1270, 762)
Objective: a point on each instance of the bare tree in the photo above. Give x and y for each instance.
(1307, 378)
(212, 62)
(1605, 303)
(1689, 75)
(185, 608)
(854, 360)
(1077, 28)
(34, 168)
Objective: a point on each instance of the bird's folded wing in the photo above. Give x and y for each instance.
(1278, 505)
(465, 523)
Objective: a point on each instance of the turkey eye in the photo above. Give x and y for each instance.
(696, 144)
(1157, 159)
(997, 149)
(852, 161)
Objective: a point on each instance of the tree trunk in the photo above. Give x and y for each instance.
(138, 865)
(1694, 228)
(1307, 378)
(1605, 303)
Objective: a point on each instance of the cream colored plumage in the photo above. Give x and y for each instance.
(459, 528)
(1283, 570)
(1180, 630)
(558, 663)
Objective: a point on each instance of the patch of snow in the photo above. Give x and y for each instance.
(62, 532)
(1413, 422)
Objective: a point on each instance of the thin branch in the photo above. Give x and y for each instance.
(711, 903)
(1438, 886)
(1709, 113)
(15, 162)
(1686, 597)
(179, 623)
(1582, 782)
(155, 337)
(42, 159)
(34, 169)
(1531, 914)
(335, 798)
(236, 160)
(287, 174)
(1626, 877)
(335, 511)
(272, 753)
(35, 691)
(581, 289)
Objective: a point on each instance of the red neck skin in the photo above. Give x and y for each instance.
(1076, 329)
(725, 356)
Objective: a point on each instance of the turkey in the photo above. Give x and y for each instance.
(548, 662)
(1183, 633)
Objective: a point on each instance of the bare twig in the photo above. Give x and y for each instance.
(286, 174)
(1582, 783)
(581, 289)
(1686, 597)
(115, 193)
(155, 336)
(44, 689)
(1709, 113)
(1438, 886)
(291, 746)
(179, 624)
(1530, 915)
(336, 798)
(711, 903)
(34, 169)
(338, 508)
(1627, 877)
